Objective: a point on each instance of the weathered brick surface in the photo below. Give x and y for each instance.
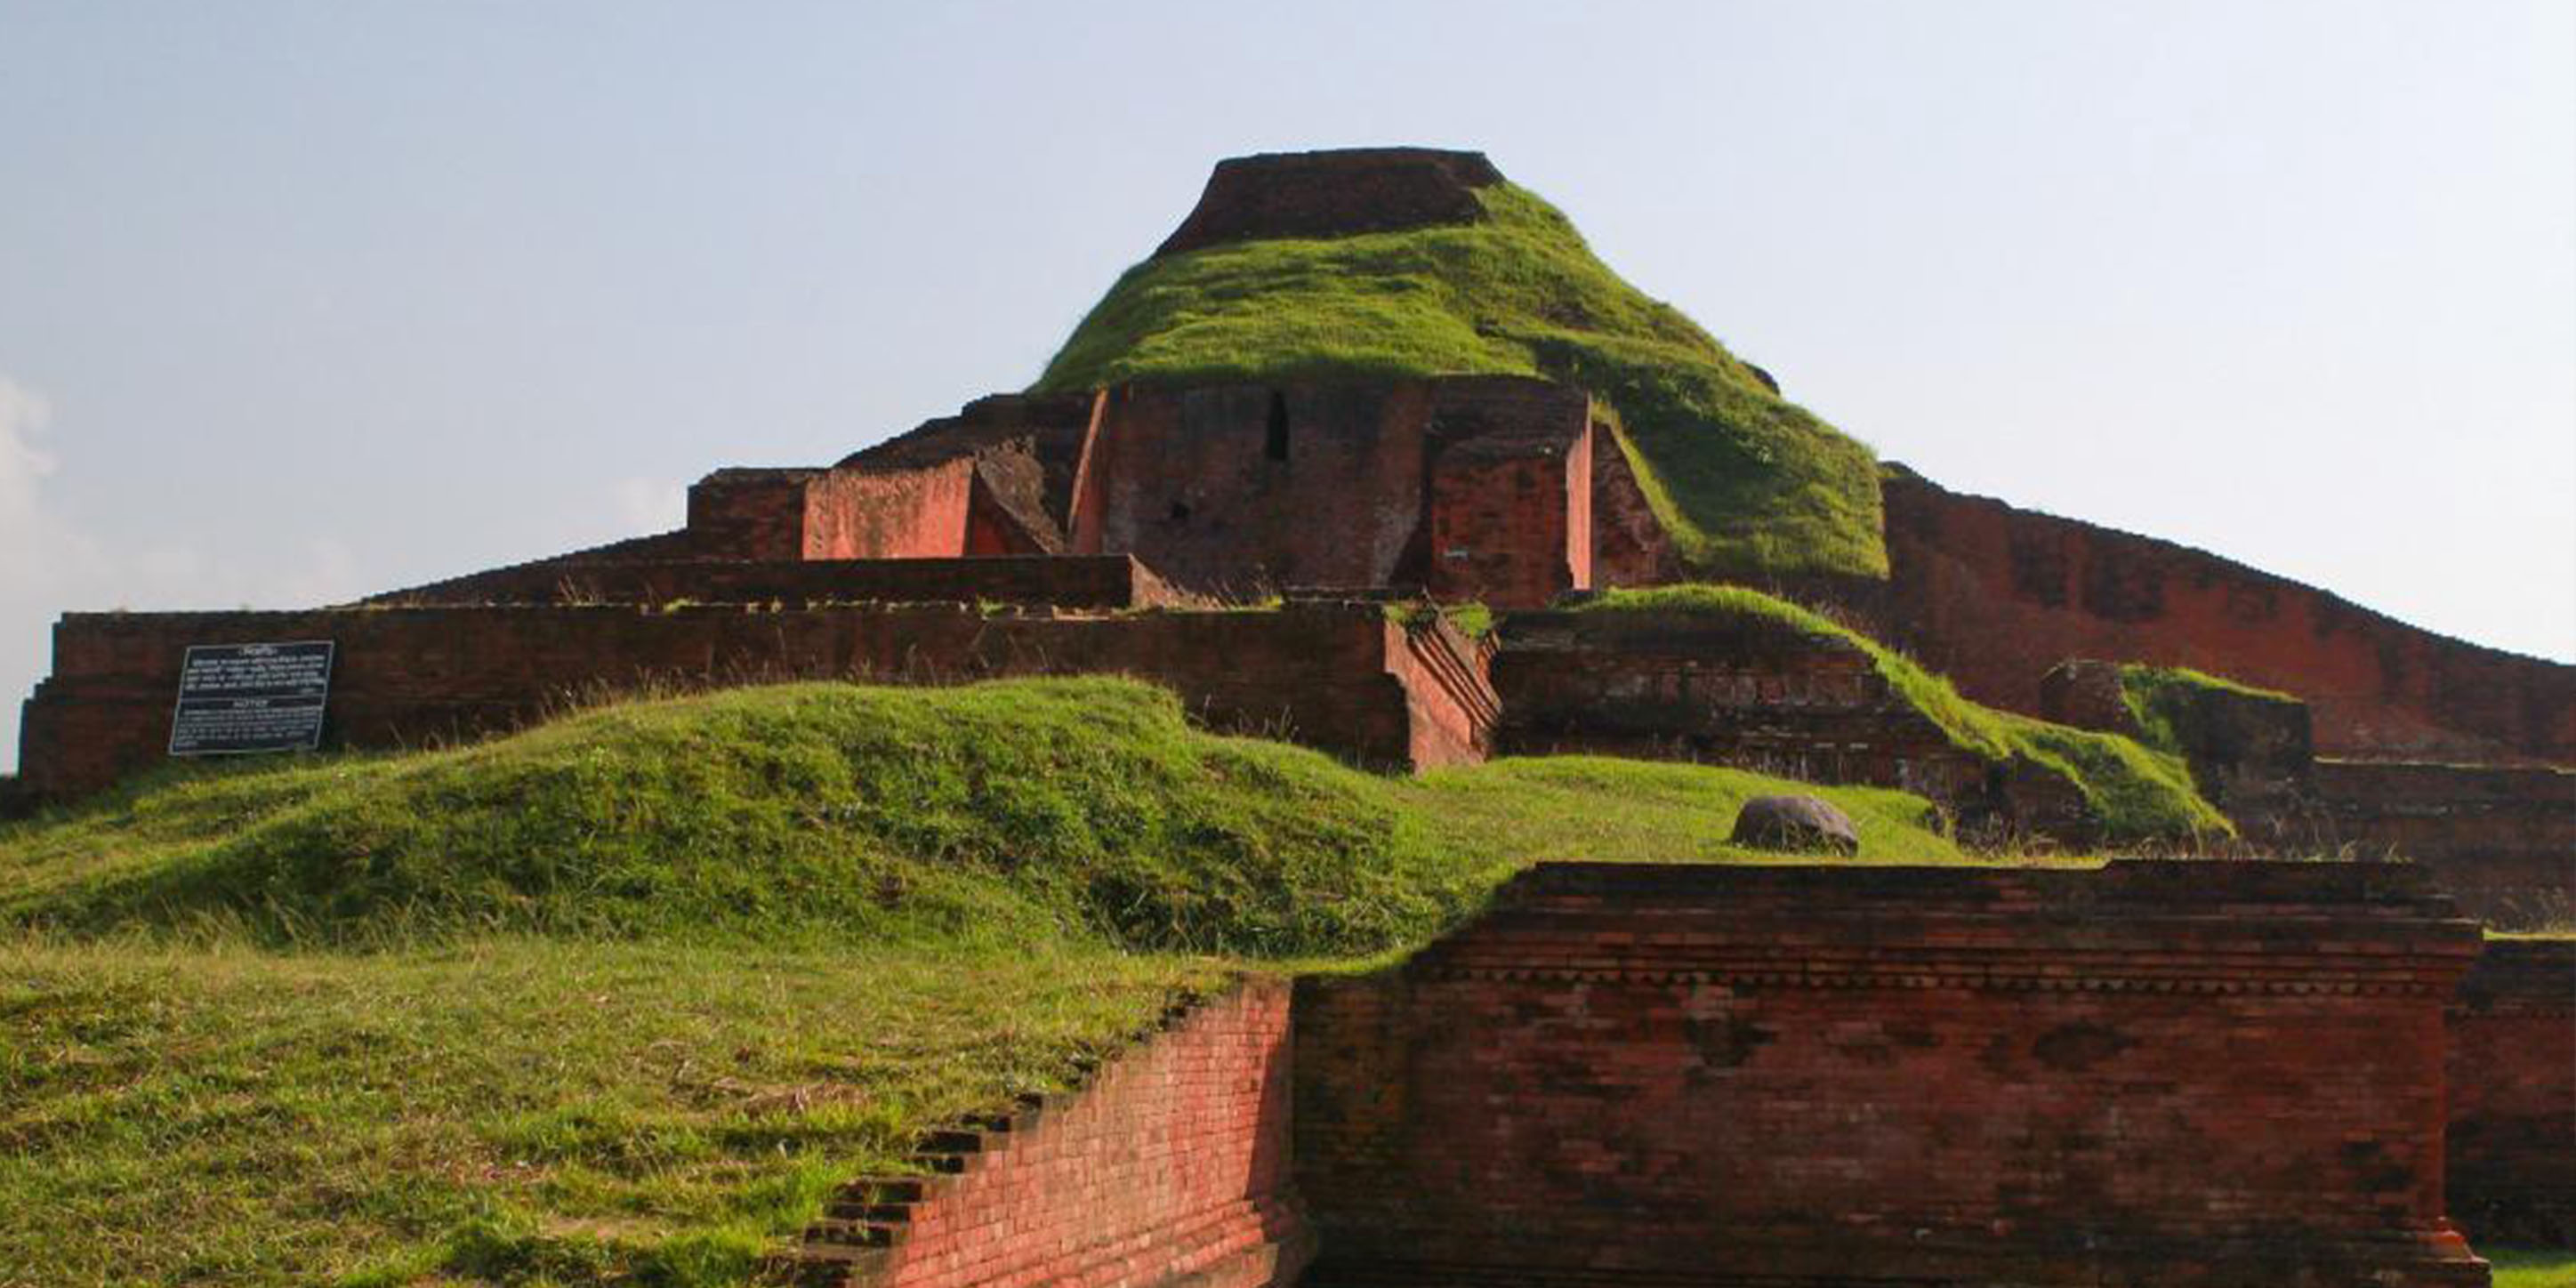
(1511, 494)
(1170, 1170)
(1750, 692)
(1096, 581)
(1993, 596)
(1333, 194)
(2168, 1074)
(2512, 1141)
(1338, 676)
(2501, 839)
(1246, 489)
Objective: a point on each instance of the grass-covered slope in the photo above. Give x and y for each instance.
(2139, 792)
(616, 1000)
(2168, 701)
(1743, 481)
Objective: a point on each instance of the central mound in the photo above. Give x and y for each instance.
(1409, 262)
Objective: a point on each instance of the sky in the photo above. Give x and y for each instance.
(300, 301)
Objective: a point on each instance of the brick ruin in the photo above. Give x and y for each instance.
(1273, 552)
(2157, 1073)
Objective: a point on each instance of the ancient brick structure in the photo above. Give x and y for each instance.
(1169, 1169)
(2171, 1074)
(1333, 194)
(1476, 487)
(1342, 676)
(1098, 582)
(2501, 838)
(1744, 690)
(2512, 1138)
(1993, 597)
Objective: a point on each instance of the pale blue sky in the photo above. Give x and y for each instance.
(299, 301)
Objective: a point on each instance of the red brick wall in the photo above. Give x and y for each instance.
(1247, 489)
(1511, 527)
(749, 514)
(2502, 840)
(1330, 675)
(889, 513)
(1629, 547)
(2154, 1073)
(1187, 481)
(2513, 1094)
(1170, 1168)
(1993, 597)
(1100, 581)
(1448, 687)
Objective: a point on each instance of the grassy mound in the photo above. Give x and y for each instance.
(1744, 482)
(2138, 792)
(618, 1000)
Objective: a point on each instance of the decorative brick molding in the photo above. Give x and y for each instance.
(1169, 1170)
(2512, 1138)
(2177, 1074)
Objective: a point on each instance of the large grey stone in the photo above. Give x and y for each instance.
(1801, 823)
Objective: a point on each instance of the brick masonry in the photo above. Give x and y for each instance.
(1994, 596)
(2501, 839)
(2170, 1074)
(1746, 691)
(1478, 486)
(1085, 582)
(1333, 194)
(1343, 677)
(1169, 1170)
(2512, 1138)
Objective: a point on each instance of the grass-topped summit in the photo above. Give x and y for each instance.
(1412, 263)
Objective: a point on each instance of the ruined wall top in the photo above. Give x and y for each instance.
(1333, 194)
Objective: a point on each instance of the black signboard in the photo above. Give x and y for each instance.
(251, 697)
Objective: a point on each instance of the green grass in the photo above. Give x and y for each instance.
(616, 1000)
(2139, 792)
(1743, 481)
(2532, 1267)
(499, 1111)
(2166, 700)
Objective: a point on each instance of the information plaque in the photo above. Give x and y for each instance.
(251, 697)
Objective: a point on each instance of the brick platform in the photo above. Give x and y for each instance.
(2169, 1074)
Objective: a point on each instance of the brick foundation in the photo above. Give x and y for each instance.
(2169, 1074)
(2512, 1137)
(1170, 1170)
(1342, 677)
